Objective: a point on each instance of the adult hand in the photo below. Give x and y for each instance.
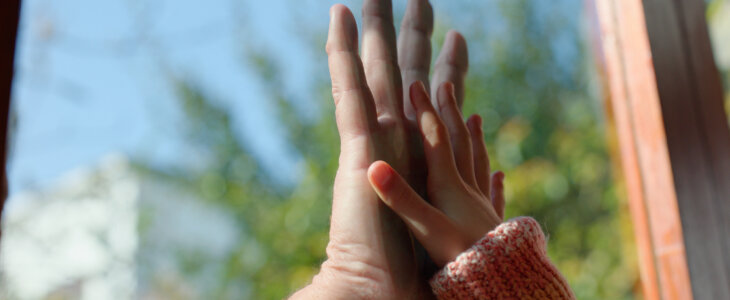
(370, 253)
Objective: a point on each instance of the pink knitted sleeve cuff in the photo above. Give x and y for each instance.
(510, 262)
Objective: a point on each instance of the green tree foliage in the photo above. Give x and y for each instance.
(717, 12)
(549, 138)
(544, 129)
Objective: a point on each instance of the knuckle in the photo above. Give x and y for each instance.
(459, 137)
(329, 48)
(353, 262)
(418, 26)
(336, 95)
(377, 8)
(348, 126)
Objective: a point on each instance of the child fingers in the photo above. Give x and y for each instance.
(436, 144)
(459, 134)
(441, 238)
(498, 193)
(481, 157)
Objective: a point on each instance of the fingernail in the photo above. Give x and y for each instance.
(382, 175)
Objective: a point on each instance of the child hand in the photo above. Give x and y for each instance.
(459, 184)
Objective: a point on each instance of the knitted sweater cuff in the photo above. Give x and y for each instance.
(510, 262)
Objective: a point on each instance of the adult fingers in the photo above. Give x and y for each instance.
(498, 193)
(414, 47)
(436, 144)
(460, 138)
(355, 111)
(451, 65)
(481, 157)
(431, 227)
(380, 58)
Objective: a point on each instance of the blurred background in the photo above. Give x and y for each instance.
(186, 149)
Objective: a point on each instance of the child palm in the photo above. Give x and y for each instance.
(465, 201)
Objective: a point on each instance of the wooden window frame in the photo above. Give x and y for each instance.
(9, 18)
(666, 96)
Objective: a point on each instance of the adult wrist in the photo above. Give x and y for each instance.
(333, 283)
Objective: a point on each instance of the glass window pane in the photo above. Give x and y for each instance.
(186, 149)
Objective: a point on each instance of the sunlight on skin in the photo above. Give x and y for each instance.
(461, 213)
(370, 116)
(430, 129)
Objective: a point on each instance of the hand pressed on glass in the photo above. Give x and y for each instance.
(368, 242)
(392, 149)
(460, 212)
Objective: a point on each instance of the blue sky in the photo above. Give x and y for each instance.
(90, 82)
(92, 76)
